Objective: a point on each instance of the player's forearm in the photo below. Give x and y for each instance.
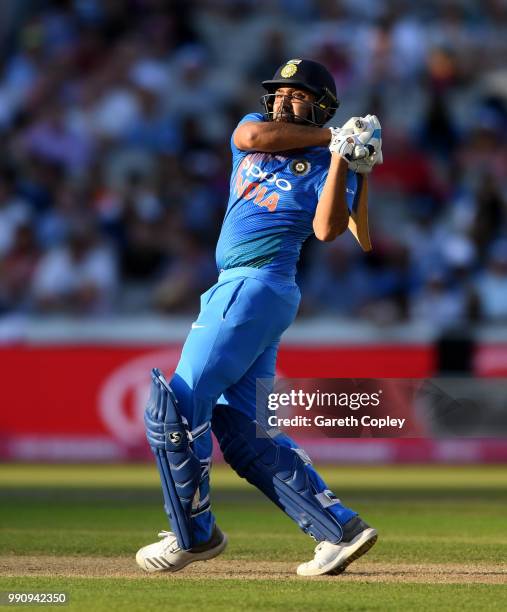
(332, 214)
(271, 137)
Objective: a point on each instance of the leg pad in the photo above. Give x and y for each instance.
(180, 470)
(278, 471)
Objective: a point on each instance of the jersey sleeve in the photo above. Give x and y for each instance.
(351, 186)
(320, 184)
(250, 117)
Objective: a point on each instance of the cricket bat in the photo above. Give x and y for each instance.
(358, 217)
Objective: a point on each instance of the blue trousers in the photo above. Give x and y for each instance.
(233, 342)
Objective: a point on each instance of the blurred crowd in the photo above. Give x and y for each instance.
(115, 120)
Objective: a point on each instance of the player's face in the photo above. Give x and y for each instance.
(291, 103)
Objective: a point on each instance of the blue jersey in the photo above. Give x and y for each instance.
(271, 206)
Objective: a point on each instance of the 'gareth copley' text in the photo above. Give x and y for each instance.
(322, 421)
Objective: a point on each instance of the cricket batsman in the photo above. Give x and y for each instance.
(291, 177)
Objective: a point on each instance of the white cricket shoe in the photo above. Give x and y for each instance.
(167, 556)
(334, 558)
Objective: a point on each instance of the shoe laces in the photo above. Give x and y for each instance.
(319, 546)
(172, 543)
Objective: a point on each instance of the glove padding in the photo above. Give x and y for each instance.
(369, 132)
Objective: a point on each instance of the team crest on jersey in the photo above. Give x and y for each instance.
(300, 167)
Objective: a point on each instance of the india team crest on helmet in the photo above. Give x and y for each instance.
(300, 167)
(289, 70)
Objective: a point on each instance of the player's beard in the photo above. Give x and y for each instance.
(284, 115)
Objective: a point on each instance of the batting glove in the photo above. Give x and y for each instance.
(369, 132)
(346, 145)
(362, 166)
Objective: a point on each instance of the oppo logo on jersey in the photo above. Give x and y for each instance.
(256, 172)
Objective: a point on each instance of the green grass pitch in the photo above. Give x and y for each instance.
(442, 541)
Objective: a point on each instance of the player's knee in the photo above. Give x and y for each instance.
(196, 389)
